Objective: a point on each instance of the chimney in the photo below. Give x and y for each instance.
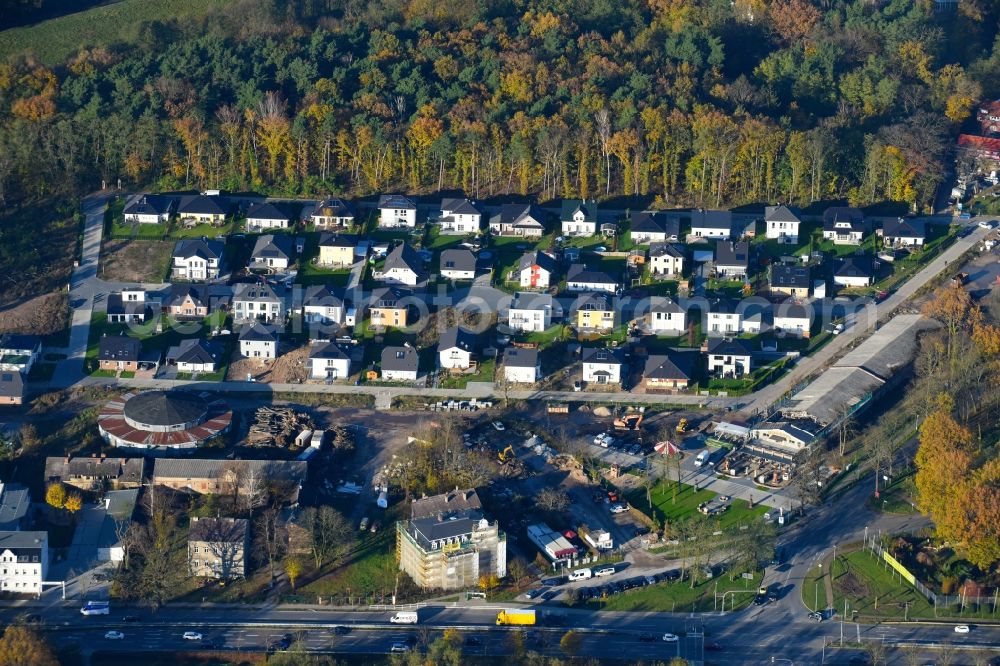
(66, 460)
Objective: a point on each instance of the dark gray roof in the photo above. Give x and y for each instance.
(602, 355)
(193, 350)
(23, 543)
(460, 207)
(179, 292)
(255, 291)
(328, 350)
(196, 247)
(571, 206)
(457, 336)
(445, 503)
(11, 384)
(218, 530)
(537, 258)
(62, 468)
(192, 468)
(118, 306)
(334, 207)
(598, 300)
(729, 253)
(531, 301)
(267, 211)
(327, 239)
(728, 347)
(665, 249)
(672, 365)
(15, 500)
(274, 246)
(404, 256)
(204, 205)
(712, 219)
(119, 348)
(656, 222)
(164, 408)
(857, 266)
(388, 297)
(842, 214)
(663, 304)
(723, 306)
(149, 204)
(790, 276)
(458, 259)
(520, 214)
(580, 273)
(321, 294)
(903, 228)
(400, 358)
(19, 342)
(257, 332)
(396, 201)
(793, 310)
(780, 213)
(433, 528)
(517, 357)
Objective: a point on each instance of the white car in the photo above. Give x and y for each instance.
(670, 638)
(114, 635)
(399, 648)
(985, 224)
(962, 629)
(618, 508)
(192, 636)
(499, 427)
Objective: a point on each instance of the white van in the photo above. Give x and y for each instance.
(605, 571)
(96, 608)
(404, 617)
(580, 574)
(700, 460)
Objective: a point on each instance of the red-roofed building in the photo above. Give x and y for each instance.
(988, 116)
(980, 146)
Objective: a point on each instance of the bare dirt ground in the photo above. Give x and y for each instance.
(135, 261)
(42, 315)
(289, 368)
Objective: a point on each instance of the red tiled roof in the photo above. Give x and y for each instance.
(984, 143)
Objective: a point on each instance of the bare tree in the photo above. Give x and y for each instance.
(225, 539)
(550, 499)
(876, 652)
(517, 568)
(254, 490)
(269, 538)
(329, 532)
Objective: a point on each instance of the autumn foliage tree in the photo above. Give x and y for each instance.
(55, 495)
(22, 647)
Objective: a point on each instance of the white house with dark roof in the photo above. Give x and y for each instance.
(794, 319)
(728, 357)
(329, 360)
(536, 269)
(903, 232)
(722, 317)
(24, 560)
(457, 348)
(602, 366)
(665, 316)
(732, 259)
(791, 280)
(459, 216)
(194, 355)
(844, 225)
(402, 266)
(530, 312)
(19, 352)
(129, 306)
(149, 209)
(395, 211)
(665, 260)
(197, 259)
(715, 224)
(519, 220)
(781, 224)
(258, 341)
(581, 278)
(856, 271)
(400, 364)
(266, 215)
(670, 371)
(273, 252)
(655, 227)
(458, 264)
(258, 301)
(203, 209)
(322, 305)
(578, 217)
(336, 250)
(521, 366)
(332, 213)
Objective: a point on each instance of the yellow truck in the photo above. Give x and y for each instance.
(516, 616)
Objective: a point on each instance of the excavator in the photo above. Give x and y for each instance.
(630, 421)
(507, 454)
(682, 427)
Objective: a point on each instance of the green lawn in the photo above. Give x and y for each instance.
(545, 338)
(172, 334)
(686, 505)
(484, 373)
(866, 582)
(178, 230)
(53, 41)
(681, 597)
(310, 274)
(897, 498)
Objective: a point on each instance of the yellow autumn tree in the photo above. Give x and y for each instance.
(21, 646)
(55, 495)
(943, 460)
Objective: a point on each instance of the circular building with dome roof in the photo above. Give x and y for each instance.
(163, 420)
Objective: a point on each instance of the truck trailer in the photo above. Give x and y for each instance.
(516, 616)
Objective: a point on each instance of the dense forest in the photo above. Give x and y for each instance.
(696, 102)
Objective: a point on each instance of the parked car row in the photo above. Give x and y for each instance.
(617, 587)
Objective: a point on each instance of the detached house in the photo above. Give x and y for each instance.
(400, 364)
(24, 557)
(321, 305)
(332, 213)
(197, 259)
(460, 216)
(530, 313)
(728, 358)
(791, 280)
(19, 352)
(671, 371)
(602, 366)
(665, 260)
(666, 317)
(595, 312)
(129, 306)
(722, 318)
(195, 355)
(578, 217)
(903, 232)
(521, 366)
(218, 547)
(188, 301)
(857, 271)
(712, 224)
(732, 259)
(581, 278)
(149, 209)
(395, 211)
(792, 319)
(658, 227)
(844, 225)
(519, 220)
(266, 215)
(402, 266)
(536, 269)
(203, 209)
(119, 353)
(273, 253)
(11, 387)
(258, 301)
(258, 341)
(329, 360)
(336, 250)
(388, 307)
(457, 348)
(458, 264)
(781, 224)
